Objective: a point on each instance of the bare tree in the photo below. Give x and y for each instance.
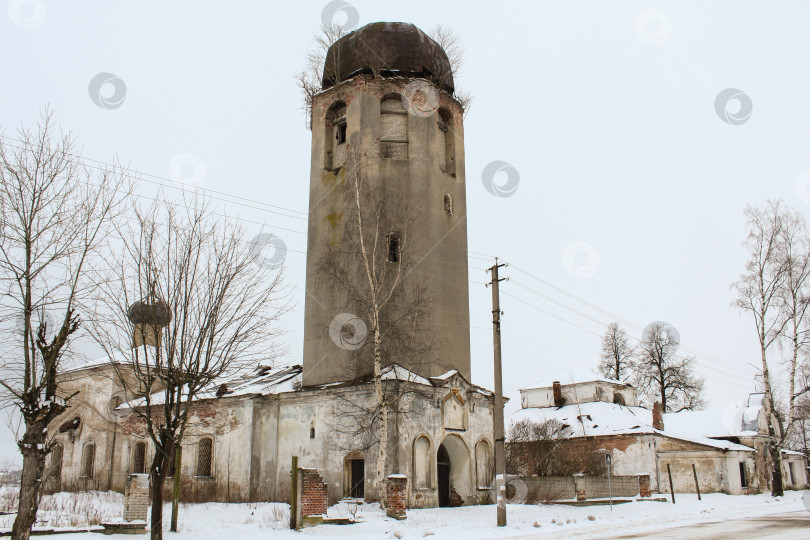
(758, 293)
(794, 303)
(449, 40)
(544, 448)
(53, 215)
(664, 376)
(320, 67)
(617, 354)
(189, 307)
(369, 264)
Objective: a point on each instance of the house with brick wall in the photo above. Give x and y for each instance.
(593, 415)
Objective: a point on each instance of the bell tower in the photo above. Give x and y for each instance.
(387, 99)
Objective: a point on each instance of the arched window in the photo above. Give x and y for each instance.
(618, 398)
(139, 458)
(88, 460)
(483, 464)
(422, 462)
(448, 203)
(205, 452)
(446, 126)
(393, 128)
(335, 136)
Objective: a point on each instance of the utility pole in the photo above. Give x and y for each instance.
(497, 413)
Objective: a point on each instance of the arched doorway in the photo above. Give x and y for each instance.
(443, 476)
(453, 472)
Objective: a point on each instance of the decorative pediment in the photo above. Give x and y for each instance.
(454, 413)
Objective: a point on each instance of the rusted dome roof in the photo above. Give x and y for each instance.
(391, 48)
(150, 311)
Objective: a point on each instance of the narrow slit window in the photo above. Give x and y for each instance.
(743, 476)
(340, 133)
(139, 459)
(394, 248)
(312, 433)
(88, 460)
(448, 203)
(205, 449)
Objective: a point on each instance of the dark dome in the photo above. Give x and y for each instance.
(150, 311)
(392, 48)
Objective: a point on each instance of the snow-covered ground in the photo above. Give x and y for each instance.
(270, 520)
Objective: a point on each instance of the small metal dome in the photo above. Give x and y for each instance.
(150, 311)
(394, 48)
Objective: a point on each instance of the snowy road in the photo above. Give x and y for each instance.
(794, 525)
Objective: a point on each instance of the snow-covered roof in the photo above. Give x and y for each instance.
(729, 422)
(599, 418)
(573, 376)
(395, 372)
(118, 357)
(263, 380)
(736, 420)
(446, 375)
(266, 380)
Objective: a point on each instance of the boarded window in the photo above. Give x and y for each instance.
(88, 460)
(421, 462)
(139, 458)
(394, 247)
(205, 450)
(393, 128)
(483, 464)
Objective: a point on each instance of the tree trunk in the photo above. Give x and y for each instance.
(33, 450)
(792, 392)
(773, 443)
(158, 476)
(383, 450)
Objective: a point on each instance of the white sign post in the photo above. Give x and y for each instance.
(609, 463)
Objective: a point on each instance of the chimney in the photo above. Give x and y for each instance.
(658, 416)
(558, 399)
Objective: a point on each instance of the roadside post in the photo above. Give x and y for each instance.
(609, 463)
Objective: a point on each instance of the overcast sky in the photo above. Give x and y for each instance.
(633, 174)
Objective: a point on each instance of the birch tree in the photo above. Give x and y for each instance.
(794, 304)
(54, 213)
(758, 294)
(368, 262)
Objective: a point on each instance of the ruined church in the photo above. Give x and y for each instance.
(386, 111)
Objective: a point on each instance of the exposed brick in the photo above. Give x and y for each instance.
(396, 491)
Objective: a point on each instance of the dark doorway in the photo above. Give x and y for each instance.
(358, 475)
(443, 476)
(743, 476)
